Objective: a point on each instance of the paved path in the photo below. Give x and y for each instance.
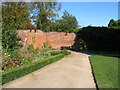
(73, 71)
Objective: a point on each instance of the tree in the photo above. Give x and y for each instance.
(67, 23)
(15, 16)
(43, 22)
(111, 23)
(44, 13)
(114, 24)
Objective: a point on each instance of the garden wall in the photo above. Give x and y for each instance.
(54, 39)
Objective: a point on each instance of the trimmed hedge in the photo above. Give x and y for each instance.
(17, 72)
(99, 38)
(60, 52)
(65, 52)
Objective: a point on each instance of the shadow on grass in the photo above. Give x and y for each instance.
(103, 53)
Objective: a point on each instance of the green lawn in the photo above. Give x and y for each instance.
(105, 70)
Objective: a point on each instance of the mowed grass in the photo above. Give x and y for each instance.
(105, 70)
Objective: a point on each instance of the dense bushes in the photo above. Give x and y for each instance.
(15, 16)
(17, 72)
(99, 38)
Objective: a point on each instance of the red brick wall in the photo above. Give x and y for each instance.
(54, 39)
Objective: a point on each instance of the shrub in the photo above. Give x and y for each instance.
(32, 50)
(55, 52)
(45, 45)
(99, 38)
(46, 53)
(65, 52)
(21, 54)
(13, 53)
(17, 72)
(11, 22)
(50, 47)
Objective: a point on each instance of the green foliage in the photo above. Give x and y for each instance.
(43, 22)
(47, 53)
(33, 51)
(31, 48)
(46, 50)
(17, 72)
(52, 53)
(28, 57)
(77, 29)
(20, 53)
(65, 52)
(111, 23)
(60, 52)
(9, 38)
(50, 47)
(14, 17)
(9, 59)
(14, 58)
(55, 53)
(67, 23)
(99, 38)
(15, 14)
(45, 45)
(105, 70)
(82, 45)
(45, 14)
(13, 53)
(114, 24)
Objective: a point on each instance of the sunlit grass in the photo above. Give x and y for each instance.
(105, 70)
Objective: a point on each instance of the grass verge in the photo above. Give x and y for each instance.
(105, 70)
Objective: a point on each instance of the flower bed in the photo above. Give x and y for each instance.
(14, 73)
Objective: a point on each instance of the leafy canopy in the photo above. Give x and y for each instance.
(15, 16)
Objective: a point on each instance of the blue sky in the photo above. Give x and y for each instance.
(92, 13)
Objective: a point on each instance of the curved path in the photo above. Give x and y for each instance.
(73, 71)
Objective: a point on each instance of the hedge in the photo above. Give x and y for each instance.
(60, 52)
(99, 38)
(17, 72)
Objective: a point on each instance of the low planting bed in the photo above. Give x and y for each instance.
(105, 70)
(14, 73)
